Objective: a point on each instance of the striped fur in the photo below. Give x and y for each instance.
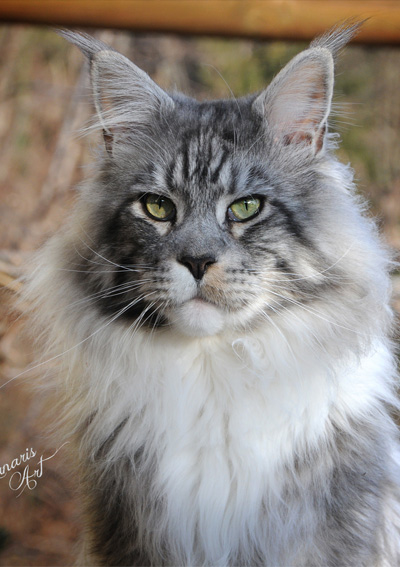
(227, 386)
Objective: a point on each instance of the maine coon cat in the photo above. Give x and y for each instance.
(218, 304)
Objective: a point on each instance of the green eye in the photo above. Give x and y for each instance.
(159, 208)
(244, 209)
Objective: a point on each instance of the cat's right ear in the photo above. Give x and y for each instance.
(124, 95)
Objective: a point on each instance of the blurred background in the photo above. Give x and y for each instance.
(44, 101)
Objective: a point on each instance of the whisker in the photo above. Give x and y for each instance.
(313, 311)
(103, 257)
(100, 271)
(299, 277)
(58, 356)
(109, 292)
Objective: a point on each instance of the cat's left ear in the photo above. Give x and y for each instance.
(297, 103)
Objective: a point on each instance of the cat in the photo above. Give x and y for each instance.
(218, 304)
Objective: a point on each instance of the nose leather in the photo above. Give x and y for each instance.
(197, 266)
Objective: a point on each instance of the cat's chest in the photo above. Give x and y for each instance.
(247, 401)
(220, 434)
(211, 410)
(214, 433)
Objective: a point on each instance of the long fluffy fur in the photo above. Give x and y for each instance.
(216, 435)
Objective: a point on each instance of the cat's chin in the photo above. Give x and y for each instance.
(197, 318)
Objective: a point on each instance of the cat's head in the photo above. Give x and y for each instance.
(216, 215)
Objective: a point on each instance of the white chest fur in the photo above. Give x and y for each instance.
(223, 419)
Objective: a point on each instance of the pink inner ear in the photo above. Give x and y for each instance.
(297, 103)
(306, 138)
(302, 104)
(297, 138)
(319, 138)
(309, 127)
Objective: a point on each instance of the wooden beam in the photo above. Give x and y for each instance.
(267, 19)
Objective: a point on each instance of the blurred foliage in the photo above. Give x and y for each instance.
(240, 68)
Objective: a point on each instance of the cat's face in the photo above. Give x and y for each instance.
(190, 231)
(206, 236)
(206, 216)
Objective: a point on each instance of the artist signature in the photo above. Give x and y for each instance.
(27, 479)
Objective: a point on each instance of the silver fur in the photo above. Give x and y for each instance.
(241, 416)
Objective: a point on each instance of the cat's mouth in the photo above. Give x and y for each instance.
(201, 300)
(198, 317)
(211, 295)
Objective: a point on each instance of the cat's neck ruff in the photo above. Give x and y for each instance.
(212, 410)
(267, 389)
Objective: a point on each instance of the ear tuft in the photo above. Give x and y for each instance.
(337, 37)
(86, 43)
